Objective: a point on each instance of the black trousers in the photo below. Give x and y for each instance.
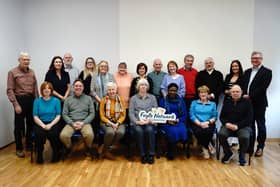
(22, 119)
(259, 118)
(203, 136)
(53, 136)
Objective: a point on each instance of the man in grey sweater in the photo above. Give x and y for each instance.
(78, 112)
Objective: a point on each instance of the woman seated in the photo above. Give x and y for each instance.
(175, 129)
(143, 129)
(112, 114)
(204, 115)
(47, 113)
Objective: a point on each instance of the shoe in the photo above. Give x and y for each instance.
(170, 156)
(20, 154)
(144, 159)
(211, 149)
(259, 152)
(205, 153)
(109, 156)
(227, 158)
(91, 152)
(151, 159)
(40, 158)
(242, 159)
(55, 157)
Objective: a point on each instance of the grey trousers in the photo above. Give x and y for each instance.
(111, 136)
(243, 136)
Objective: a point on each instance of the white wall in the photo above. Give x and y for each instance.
(267, 39)
(11, 38)
(134, 31)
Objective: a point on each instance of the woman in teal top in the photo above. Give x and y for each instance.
(203, 114)
(47, 114)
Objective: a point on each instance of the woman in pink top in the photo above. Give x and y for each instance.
(123, 80)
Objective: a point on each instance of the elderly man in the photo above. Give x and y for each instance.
(73, 71)
(211, 78)
(157, 76)
(256, 81)
(236, 117)
(22, 90)
(78, 112)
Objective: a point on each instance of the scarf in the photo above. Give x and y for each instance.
(118, 109)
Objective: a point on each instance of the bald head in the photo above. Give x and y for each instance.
(236, 92)
(67, 58)
(157, 65)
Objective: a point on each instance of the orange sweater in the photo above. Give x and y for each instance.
(124, 82)
(112, 110)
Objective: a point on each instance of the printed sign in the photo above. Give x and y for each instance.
(157, 115)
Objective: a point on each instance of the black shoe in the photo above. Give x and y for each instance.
(151, 159)
(144, 159)
(226, 159)
(170, 156)
(91, 152)
(242, 159)
(40, 158)
(55, 157)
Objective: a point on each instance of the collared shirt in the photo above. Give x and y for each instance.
(252, 76)
(203, 112)
(157, 78)
(21, 83)
(139, 103)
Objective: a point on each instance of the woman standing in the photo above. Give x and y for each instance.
(234, 77)
(141, 70)
(143, 129)
(47, 114)
(204, 115)
(175, 129)
(112, 114)
(173, 77)
(59, 78)
(87, 74)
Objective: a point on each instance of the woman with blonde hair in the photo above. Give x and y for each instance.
(87, 74)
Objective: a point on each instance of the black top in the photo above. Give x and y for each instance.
(213, 81)
(133, 89)
(239, 113)
(228, 84)
(59, 85)
(258, 87)
(86, 81)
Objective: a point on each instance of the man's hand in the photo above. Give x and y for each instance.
(18, 109)
(231, 126)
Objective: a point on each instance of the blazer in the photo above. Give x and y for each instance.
(258, 87)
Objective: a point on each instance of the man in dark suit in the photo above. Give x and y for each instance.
(256, 82)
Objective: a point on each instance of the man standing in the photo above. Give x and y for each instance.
(78, 113)
(256, 82)
(189, 73)
(73, 71)
(211, 78)
(157, 77)
(236, 117)
(22, 90)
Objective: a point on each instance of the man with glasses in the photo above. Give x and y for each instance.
(72, 70)
(22, 90)
(256, 82)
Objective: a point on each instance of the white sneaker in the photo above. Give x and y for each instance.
(205, 153)
(211, 149)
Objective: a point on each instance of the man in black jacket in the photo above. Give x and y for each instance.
(256, 82)
(236, 117)
(211, 78)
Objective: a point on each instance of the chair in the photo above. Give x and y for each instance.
(75, 135)
(250, 149)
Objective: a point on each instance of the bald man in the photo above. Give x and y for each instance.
(236, 117)
(22, 90)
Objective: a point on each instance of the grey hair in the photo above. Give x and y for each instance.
(257, 53)
(22, 54)
(111, 84)
(142, 81)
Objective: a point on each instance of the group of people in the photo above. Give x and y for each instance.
(94, 98)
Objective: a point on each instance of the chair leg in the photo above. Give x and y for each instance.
(218, 147)
(188, 150)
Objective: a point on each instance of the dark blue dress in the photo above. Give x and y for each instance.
(177, 106)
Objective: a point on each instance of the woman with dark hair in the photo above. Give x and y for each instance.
(173, 77)
(175, 129)
(59, 78)
(87, 74)
(47, 114)
(141, 70)
(234, 77)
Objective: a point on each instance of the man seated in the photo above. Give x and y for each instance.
(78, 112)
(236, 117)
